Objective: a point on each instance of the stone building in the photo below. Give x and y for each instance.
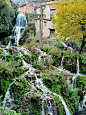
(27, 7)
(47, 24)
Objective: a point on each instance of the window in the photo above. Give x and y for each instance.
(45, 23)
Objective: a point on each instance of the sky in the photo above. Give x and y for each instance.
(24, 1)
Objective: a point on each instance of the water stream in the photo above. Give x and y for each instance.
(44, 89)
(43, 113)
(77, 65)
(5, 52)
(50, 111)
(41, 54)
(62, 62)
(18, 29)
(81, 104)
(41, 86)
(77, 74)
(7, 100)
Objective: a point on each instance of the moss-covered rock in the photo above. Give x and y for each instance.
(6, 111)
(24, 36)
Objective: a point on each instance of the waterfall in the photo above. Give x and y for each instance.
(77, 65)
(50, 111)
(82, 104)
(5, 52)
(43, 108)
(44, 89)
(62, 62)
(40, 85)
(74, 77)
(41, 54)
(18, 29)
(68, 80)
(7, 100)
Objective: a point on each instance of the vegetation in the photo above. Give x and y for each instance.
(70, 20)
(27, 97)
(6, 111)
(5, 19)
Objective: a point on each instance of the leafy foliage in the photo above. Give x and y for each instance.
(7, 15)
(70, 19)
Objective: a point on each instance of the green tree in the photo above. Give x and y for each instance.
(6, 15)
(70, 20)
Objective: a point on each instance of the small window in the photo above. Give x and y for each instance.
(45, 23)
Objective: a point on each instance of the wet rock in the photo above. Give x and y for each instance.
(37, 71)
(13, 51)
(48, 60)
(24, 36)
(34, 50)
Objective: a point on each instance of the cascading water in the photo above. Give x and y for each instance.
(62, 62)
(74, 77)
(7, 100)
(41, 54)
(43, 108)
(82, 104)
(50, 111)
(40, 85)
(5, 52)
(68, 80)
(44, 89)
(18, 29)
(77, 65)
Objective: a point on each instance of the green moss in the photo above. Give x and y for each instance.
(17, 57)
(4, 86)
(60, 106)
(47, 80)
(2, 56)
(6, 111)
(47, 48)
(6, 40)
(9, 57)
(1, 50)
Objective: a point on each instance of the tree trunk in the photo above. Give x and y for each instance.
(83, 44)
(40, 32)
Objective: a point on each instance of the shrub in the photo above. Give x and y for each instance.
(47, 80)
(6, 111)
(2, 56)
(9, 57)
(1, 50)
(17, 57)
(47, 47)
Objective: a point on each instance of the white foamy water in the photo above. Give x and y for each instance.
(40, 85)
(62, 62)
(18, 29)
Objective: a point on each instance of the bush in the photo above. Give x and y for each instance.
(47, 48)
(9, 57)
(17, 57)
(1, 50)
(6, 41)
(6, 111)
(47, 80)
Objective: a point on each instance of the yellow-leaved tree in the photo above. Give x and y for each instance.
(70, 20)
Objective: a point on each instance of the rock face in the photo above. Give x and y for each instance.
(29, 94)
(28, 100)
(24, 36)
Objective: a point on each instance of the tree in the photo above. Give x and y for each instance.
(6, 15)
(39, 4)
(42, 6)
(70, 20)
